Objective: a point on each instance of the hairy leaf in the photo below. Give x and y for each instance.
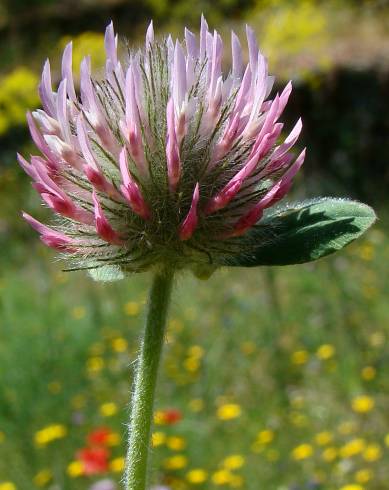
(304, 232)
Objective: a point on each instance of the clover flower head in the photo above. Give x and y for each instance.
(164, 159)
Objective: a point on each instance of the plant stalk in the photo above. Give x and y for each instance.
(145, 381)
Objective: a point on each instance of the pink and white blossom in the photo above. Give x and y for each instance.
(163, 158)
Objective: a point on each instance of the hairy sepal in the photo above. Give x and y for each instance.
(304, 232)
(107, 273)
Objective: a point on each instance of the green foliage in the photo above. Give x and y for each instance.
(293, 350)
(306, 231)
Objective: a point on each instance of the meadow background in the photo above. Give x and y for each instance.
(272, 379)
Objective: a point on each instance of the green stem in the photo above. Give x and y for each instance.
(145, 381)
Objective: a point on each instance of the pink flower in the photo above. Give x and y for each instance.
(166, 159)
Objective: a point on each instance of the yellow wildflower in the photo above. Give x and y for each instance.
(297, 402)
(159, 417)
(176, 462)
(362, 404)
(363, 476)
(387, 440)
(197, 476)
(113, 439)
(325, 351)
(97, 348)
(265, 436)
(236, 481)
(94, 364)
(49, 434)
(2, 437)
(329, 454)
(247, 347)
(176, 443)
(303, 451)
(233, 462)
(192, 364)
(42, 477)
(366, 252)
(372, 453)
(196, 405)
(75, 468)
(299, 357)
(131, 308)
(158, 438)
(117, 465)
(352, 448)
(272, 455)
(54, 387)
(108, 409)
(229, 411)
(377, 339)
(298, 419)
(175, 325)
(323, 438)
(7, 485)
(195, 351)
(78, 401)
(221, 477)
(119, 344)
(78, 312)
(346, 428)
(257, 447)
(368, 373)
(353, 486)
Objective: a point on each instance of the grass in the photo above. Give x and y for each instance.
(284, 369)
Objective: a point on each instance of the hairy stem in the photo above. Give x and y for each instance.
(145, 381)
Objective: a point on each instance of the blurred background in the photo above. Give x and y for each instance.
(272, 379)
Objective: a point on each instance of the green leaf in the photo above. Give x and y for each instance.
(304, 232)
(107, 273)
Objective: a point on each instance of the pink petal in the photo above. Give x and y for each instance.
(237, 59)
(172, 150)
(276, 193)
(203, 37)
(253, 49)
(50, 237)
(104, 229)
(289, 141)
(286, 180)
(62, 112)
(67, 71)
(179, 76)
(191, 44)
(27, 167)
(131, 191)
(224, 196)
(284, 97)
(40, 142)
(189, 224)
(150, 35)
(91, 169)
(110, 42)
(46, 91)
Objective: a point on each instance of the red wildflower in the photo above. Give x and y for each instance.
(94, 460)
(171, 416)
(99, 436)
